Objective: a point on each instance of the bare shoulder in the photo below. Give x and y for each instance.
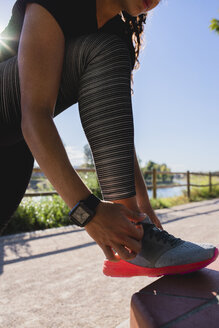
(39, 21)
(40, 59)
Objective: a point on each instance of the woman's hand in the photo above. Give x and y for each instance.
(113, 231)
(156, 221)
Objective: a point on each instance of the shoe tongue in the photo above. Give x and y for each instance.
(146, 223)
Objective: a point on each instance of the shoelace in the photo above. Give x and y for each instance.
(160, 234)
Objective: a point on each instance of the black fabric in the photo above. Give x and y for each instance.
(16, 166)
(75, 18)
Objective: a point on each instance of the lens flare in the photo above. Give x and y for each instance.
(4, 45)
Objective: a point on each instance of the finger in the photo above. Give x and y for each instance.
(140, 227)
(156, 221)
(134, 216)
(160, 226)
(124, 253)
(110, 255)
(133, 245)
(134, 231)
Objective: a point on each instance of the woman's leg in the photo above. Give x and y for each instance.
(16, 160)
(16, 166)
(10, 112)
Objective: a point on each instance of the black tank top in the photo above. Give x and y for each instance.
(74, 17)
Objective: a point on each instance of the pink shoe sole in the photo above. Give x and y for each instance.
(126, 269)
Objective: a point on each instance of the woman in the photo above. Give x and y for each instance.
(60, 54)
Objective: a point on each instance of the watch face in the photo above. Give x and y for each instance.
(81, 215)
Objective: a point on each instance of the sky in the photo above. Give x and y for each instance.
(176, 93)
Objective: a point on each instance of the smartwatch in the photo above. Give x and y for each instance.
(83, 212)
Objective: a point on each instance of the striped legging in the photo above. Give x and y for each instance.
(96, 74)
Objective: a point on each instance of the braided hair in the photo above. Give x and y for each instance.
(136, 27)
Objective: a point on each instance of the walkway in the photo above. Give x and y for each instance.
(53, 278)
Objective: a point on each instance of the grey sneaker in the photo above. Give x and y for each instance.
(162, 254)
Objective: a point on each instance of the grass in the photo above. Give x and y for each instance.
(196, 193)
(51, 211)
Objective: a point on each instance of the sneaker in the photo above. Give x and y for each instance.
(162, 254)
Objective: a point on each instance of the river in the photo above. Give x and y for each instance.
(169, 192)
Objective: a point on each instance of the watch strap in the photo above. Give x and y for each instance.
(89, 205)
(91, 202)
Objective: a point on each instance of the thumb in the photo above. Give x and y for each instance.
(135, 216)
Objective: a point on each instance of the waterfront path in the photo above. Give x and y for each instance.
(53, 278)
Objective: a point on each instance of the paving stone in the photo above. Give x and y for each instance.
(53, 278)
(179, 301)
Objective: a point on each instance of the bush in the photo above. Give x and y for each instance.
(38, 214)
(41, 213)
(51, 211)
(90, 179)
(168, 202)
(196, 194)
(201, 193)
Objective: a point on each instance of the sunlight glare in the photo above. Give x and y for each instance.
(3, 43)
(1, 29)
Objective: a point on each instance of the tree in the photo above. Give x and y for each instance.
(139, 160)
(163, 178)
(215, 25)
(89, 161)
